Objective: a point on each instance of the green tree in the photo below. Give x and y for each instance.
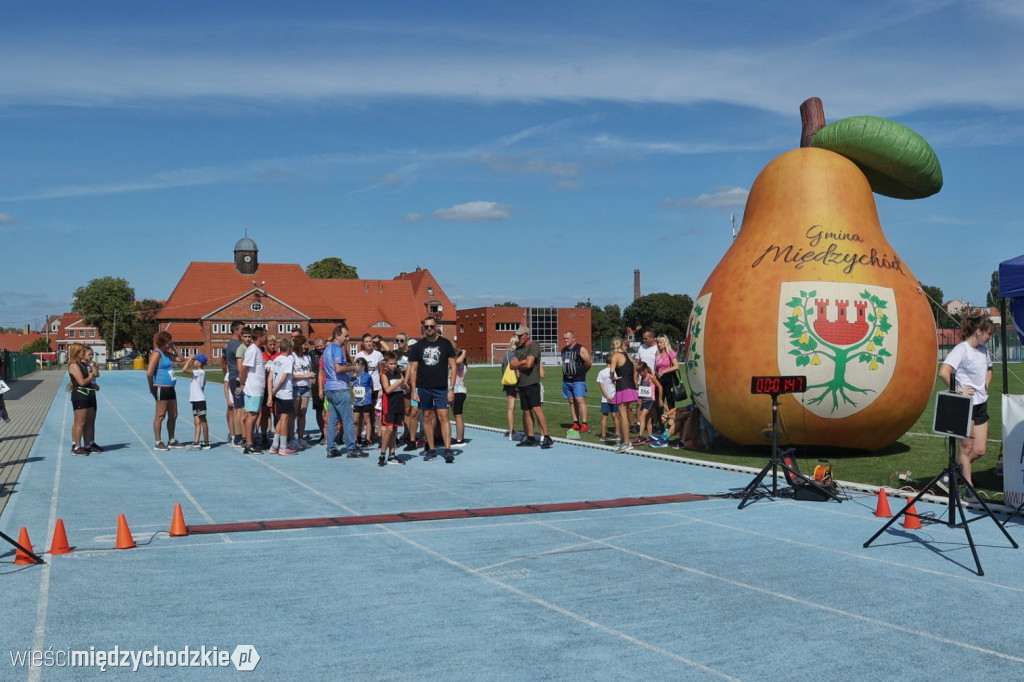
(934, 295)
(666, 314)
(331, 268)
(507, 304)
(108, 303)
(605, 323)
(992, 300)
(38, 346)
(145, 327)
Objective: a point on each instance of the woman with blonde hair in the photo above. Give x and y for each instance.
(510, 391)
(666, 368)
(83, 389)
(624, 375)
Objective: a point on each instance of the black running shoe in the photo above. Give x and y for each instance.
(382, 460)
(546, 443)
(449, 457)
(527, 442)
(429, 455)
(93, 448)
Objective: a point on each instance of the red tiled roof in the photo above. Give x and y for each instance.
(13, 341)
(400, 303)
(205, 288)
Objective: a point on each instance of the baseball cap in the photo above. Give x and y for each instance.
(201, 359)
(523, 329)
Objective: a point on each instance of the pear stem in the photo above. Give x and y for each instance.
(812, 117)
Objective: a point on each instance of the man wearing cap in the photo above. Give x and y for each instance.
(527, 362)
(432, 374)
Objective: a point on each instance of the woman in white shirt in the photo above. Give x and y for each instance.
(972, 366)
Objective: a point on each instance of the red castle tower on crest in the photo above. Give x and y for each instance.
(843, 331)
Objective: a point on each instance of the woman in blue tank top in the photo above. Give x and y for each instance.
(160, 373)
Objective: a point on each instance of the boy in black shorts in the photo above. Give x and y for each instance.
(392, 387)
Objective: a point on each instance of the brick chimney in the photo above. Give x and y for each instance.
(636, 284)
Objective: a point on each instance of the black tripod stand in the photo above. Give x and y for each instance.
(776, 462)
(957, 429)
(9, 539)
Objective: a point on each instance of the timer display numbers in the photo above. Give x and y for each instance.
(778, 385)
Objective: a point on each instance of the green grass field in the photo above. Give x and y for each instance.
(919, 451)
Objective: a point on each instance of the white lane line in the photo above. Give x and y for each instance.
(522, 593)
(181, 486)
(43, 600)
(810, 604)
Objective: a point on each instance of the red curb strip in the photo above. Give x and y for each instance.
(291, 524)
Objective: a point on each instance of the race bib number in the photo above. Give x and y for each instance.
(359, 392)
(645, 392)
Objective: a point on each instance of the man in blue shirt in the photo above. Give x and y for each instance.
(336, 396)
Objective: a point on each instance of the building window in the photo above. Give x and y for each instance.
(81, 333)
(92, 333)
(506, 326)
(480, 327)
(430, 291)
(216, 352)
(255, 306)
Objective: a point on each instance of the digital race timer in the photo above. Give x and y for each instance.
(778, 385)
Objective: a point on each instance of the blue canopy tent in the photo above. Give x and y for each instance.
(1011, 286)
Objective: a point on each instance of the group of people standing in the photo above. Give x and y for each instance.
(359, 401)
(638, 393)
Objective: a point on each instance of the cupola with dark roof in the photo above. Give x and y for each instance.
(246, 252)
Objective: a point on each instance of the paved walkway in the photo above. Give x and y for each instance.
(28, 401)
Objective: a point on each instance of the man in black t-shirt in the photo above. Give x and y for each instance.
(432, 382)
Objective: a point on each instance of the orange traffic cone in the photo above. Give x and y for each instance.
(22, 557)
(911, 520)
(178, 527)
(882, 509)
(124, 535)
(59, 545)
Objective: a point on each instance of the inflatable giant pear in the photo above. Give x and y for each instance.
(811, 287)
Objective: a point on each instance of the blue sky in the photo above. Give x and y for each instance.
(537, 152)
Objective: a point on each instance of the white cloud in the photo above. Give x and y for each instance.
(474, 211)
(731, 198)
(412, 217)
(6, 219)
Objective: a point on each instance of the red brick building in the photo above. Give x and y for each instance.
(282, 297)
(485, 332)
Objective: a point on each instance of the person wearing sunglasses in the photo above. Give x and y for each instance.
(432, 377)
